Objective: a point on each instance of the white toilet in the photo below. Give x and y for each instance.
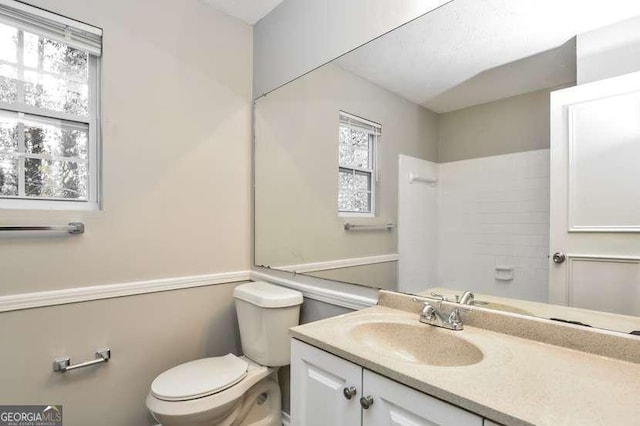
(231, 390)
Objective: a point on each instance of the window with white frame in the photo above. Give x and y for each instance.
(357, 174)
(49, 109)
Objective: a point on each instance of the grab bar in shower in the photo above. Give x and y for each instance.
(353, 227)
(74, 228)
(62, 365)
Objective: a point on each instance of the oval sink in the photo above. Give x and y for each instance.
(421, 344)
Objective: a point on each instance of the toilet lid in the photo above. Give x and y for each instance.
(199, 378)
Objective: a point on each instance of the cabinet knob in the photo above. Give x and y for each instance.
(349, 392)
(366, 402)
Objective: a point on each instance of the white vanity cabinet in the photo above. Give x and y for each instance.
(318, 383)
(326, 390)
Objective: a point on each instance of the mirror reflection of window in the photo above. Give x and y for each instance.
(357, 174)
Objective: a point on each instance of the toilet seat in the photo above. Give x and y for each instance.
(199, 378)
(223, 401)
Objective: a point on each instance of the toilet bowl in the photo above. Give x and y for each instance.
(234, 390)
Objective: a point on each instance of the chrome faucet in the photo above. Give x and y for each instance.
(436, 317)
(467, 298)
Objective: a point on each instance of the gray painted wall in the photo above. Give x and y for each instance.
(516, 124)
(176, 125)
(177, 122)
(296, 152)
(147, 335)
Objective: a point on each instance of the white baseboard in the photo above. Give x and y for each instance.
(40, 299)
(286, 420)
(326, 295)
(339, 263)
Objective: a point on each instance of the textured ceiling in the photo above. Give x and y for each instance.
(470, 52)
(250, 11)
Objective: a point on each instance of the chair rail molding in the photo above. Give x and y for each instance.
(322, 294)
(41, 299)
(339, 263)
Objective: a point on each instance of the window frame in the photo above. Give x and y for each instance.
(92, 121)
(375, 132)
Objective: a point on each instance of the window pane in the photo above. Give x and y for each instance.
(8, 43)
(345, 200)
(55, 76)
(54, 57)
(56, 94)
(8, 134)
(8, 83)
(8, 176)
(362, 202)
(361, 182)
(354, 148)
(55, 179)
(56, 140)
(354, 191)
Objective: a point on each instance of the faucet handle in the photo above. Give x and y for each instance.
(455, 319)
(440, 297)
(427, 311)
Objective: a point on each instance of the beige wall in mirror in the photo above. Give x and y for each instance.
(478, 113)
(296, 171)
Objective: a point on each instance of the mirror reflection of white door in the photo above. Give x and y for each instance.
(595, 196)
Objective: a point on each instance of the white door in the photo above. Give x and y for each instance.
(325, 389)
(595, 196)
(393, 404)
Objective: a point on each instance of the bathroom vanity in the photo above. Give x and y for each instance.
(334, 391)
(381, 366)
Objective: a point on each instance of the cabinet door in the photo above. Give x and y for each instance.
(318, 380)
(398, 405)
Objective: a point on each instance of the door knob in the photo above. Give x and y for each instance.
(559, 257)
(366, 402)
(349, 392)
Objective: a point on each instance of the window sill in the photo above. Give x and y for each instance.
(362, 215)
(15, 204)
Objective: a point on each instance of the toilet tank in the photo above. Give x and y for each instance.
(265, 314)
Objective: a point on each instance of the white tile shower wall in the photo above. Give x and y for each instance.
(417, 225)
(494, 212)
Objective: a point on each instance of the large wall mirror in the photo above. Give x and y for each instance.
(470, 149)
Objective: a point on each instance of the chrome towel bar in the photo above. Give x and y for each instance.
(352, 227)
(62, 365)
(72, 228)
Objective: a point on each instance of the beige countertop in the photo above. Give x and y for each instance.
(517, 382)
